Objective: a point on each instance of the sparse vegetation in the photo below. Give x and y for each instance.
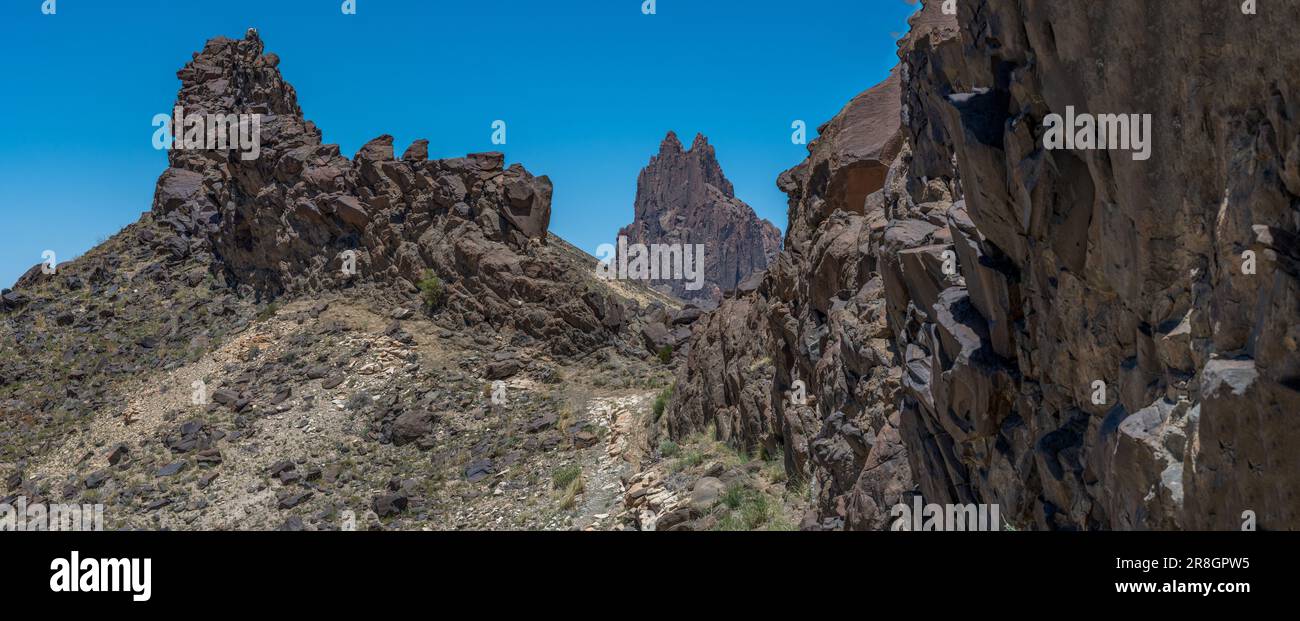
(661, 402)
(797, 487)
(668, 449)
(431, 291)
(565, 419)
(666, 354)
(750, 509)
(564, 475)
(570, 497)
(775, 471)
(691, 459)
(569, 480)
(734, 496)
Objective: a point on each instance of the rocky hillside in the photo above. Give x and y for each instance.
(218, 364)
(1073, 335)
(683, 197)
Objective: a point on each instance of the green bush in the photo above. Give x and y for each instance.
(749, 509)
(661, 402)
(734, 496)
(565, 475)
(758, 511)
(666, 354)
(668, 448)
(431, 290)
(690, 460)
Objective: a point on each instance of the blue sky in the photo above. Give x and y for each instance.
(588, 88)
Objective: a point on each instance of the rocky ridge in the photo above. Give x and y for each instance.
(281, 223)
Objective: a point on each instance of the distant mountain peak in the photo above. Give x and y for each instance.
(684, 197)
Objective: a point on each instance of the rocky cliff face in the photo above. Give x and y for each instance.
(1091, 266)
(817, 317)
(1069, 334)
(682, 197)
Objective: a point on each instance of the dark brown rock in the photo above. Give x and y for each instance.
(410, 426)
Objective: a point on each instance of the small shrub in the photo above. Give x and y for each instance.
(798, 487)
(666, 354)
(565, 475)
(781, 522)
(730, 522)
(750, 509)
(565, 420)
(689, 460)
(668, 448)
(661, 402)
(776, 472)
(734, 496)
(569, 479)
(570, 497)
(431, 290)
(757, 511)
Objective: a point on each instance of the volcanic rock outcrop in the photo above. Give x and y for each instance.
(1077, 336)
(297, 218)
(683, 197)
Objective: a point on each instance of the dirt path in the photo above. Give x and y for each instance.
(617, 458)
